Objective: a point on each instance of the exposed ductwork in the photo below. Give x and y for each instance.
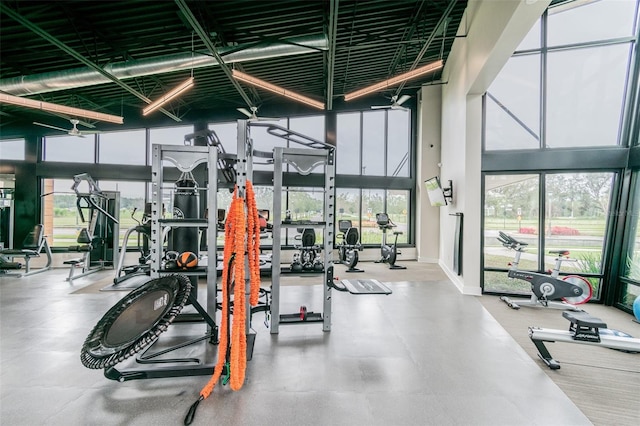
(85, 76)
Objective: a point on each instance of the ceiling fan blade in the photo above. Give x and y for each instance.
(402, 99)
(380, 106)
(51, 127)
(245, 112)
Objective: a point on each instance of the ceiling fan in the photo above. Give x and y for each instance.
(396, 103)
(74, 131)
(253, 116)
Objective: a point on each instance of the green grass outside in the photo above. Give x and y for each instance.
(585, 226)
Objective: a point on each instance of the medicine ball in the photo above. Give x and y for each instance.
(187, 260)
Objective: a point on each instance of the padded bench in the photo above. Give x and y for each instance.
(34, 243)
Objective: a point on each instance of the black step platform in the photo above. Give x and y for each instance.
(365, 287)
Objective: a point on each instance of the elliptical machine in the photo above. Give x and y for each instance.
(389, 252)
(350, 245)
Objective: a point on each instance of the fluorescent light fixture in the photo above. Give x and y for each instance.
(62, 109)
(276, 89)
(395, 80)
(182, 87)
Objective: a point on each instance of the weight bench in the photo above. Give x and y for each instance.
(34, 243)
(584, 329)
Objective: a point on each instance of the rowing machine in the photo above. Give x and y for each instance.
(584, 329)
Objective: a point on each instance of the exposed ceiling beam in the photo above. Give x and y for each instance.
(443, 18)
(407, 35)
(209, 45)
(72, 52)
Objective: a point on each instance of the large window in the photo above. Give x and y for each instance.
(385, 138)
(70, 149)
(577, 22)
(583, 108)
(132, 206)
(398, 143)
(387, 142)
(61, 213)
(564, 93)
(12, 149)
(348, 144)
(511, 206)
(373, 143)
(348, 205)
(228, 135)
(513, 105)
(630, 288)
(312, 126)
(361, 205)
(126, 147)
(577, 80)
(575, 218)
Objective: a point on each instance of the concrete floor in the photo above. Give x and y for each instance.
(425, 355)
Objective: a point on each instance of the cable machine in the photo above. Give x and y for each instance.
(99, 240)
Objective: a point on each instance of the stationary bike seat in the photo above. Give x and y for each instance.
(560, 252)
(584, 319)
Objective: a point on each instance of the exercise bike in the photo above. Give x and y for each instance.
(547, 289)
(350, 245)
(389, 252)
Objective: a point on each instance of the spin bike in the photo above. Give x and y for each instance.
(547, 288)
(350, 245)
(389, 252)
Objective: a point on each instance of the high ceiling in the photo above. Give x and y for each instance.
(109, 56)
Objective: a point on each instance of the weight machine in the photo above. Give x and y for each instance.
(99, 240)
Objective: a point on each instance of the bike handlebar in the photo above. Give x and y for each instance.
(510, 242)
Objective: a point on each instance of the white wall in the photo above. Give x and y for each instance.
(429, 150)
(493, 29)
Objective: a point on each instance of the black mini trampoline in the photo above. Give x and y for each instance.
(135, 322)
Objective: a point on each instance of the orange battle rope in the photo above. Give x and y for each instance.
(240, 227)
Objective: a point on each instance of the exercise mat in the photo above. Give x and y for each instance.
(365, 287)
